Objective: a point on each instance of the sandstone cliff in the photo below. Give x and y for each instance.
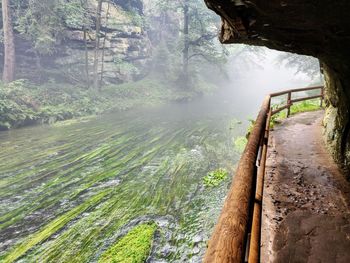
(123, 34)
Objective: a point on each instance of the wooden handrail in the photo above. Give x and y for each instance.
(290, 101)
(227, 243)
(239, 223)
(276, 94)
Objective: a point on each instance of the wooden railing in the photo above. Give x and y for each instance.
(236, 236)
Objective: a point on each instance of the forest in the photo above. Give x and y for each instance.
(73, 58)
(122, 123)
(64, 59)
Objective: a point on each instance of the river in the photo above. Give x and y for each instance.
(70, 190)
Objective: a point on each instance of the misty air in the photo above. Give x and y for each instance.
(174, 131)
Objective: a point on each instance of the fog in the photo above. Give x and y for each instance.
(250, 77)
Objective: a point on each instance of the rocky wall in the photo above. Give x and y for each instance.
(320, 28)
(127, 49)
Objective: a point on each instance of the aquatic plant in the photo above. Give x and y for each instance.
(233, 124)
(240, 143)
(67, 191)
(214, 178)
(134, 247)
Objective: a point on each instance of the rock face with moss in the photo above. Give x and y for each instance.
(126, 54)
(126, 42)
(318, 28)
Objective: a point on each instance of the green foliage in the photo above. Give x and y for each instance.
(234, 123)
(240, 143)
(250, 128)
(204, 49)
(214, 178)
(301, 64)
(23, 103)
(125, 67)
(303, 106)
(308, 105)
(45, 23)
(16, 105)
(134, 247)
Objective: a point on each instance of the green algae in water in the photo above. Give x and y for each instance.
(240, 143)
(134, 247)
(152, 166)
(52, 227)
(214, 178)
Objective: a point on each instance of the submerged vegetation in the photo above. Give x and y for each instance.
(214, 178)
(72, 191)
(240, 143)
(134, 247)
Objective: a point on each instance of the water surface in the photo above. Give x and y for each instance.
(69, 191)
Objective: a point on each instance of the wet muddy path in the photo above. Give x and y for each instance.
(306, 206)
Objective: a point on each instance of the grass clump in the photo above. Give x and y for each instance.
(308, 105)
(303, 106)
(214, 178)
(134, 247)
(240, 143)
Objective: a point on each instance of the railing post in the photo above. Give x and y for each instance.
(289, 99)
(322, 96)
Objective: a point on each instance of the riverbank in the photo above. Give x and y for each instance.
(23, 103)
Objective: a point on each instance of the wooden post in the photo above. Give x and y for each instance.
(289, 103)
(228, 241)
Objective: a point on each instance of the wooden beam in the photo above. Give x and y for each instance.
(227, 243)
(254, 249)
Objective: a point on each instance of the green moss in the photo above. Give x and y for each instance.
(214, 178)
(134, 247)
(240, 143)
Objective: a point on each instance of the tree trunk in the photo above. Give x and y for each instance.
(103, 48)
(97, 44)
(9, 45)
(185, 52)
(86, 58)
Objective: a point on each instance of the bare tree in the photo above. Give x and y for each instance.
(97, 44)
(104, 44)
(9, 45)
(185, 52)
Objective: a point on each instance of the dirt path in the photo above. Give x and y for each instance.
(306, 207)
